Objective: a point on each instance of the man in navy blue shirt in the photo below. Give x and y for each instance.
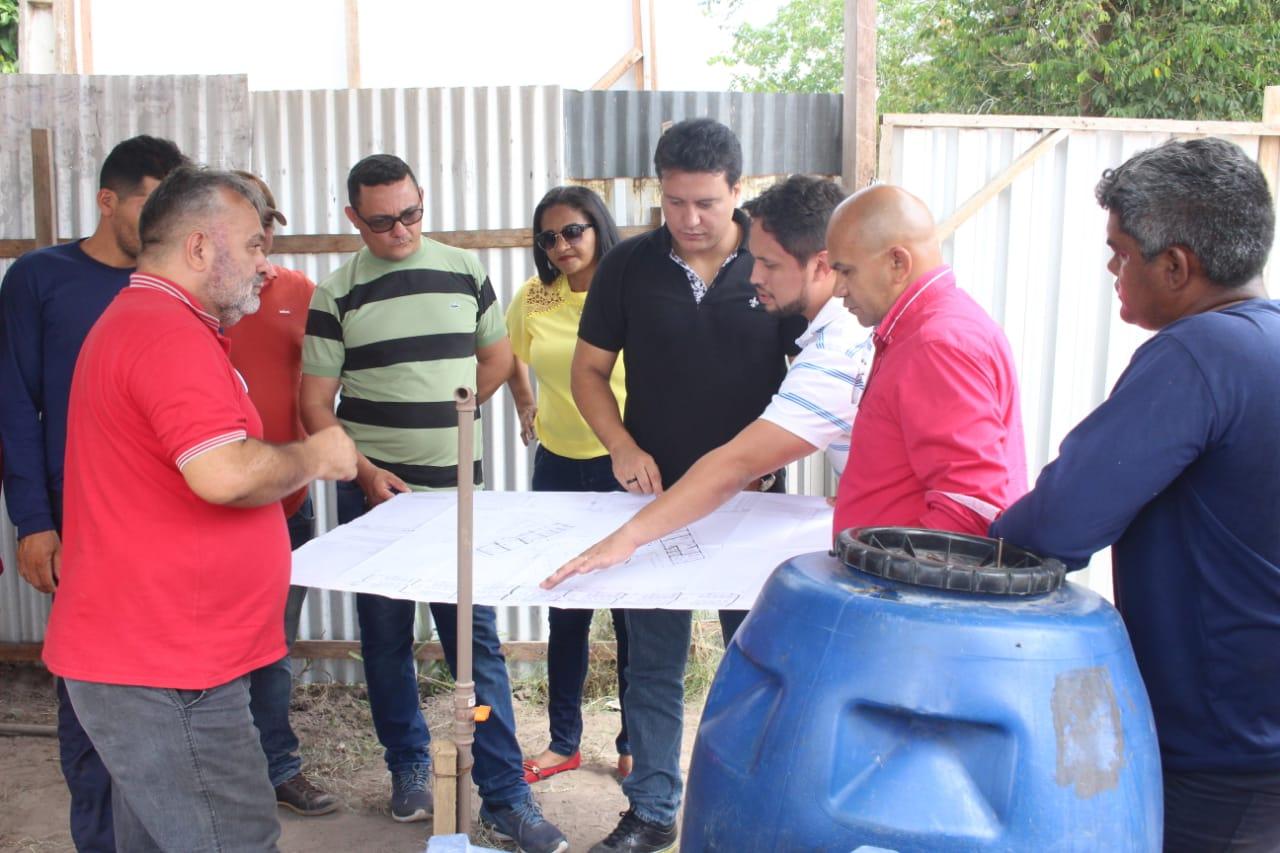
(1179, 470)
(48, 301)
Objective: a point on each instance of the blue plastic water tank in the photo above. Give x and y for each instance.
(863, 712)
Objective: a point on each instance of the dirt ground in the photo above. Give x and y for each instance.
(340, 753)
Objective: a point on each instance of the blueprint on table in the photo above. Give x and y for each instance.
(407, 548)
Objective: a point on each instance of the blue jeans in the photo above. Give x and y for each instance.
(88, 781)
(187, 768)
(659, 651)
(271, 686)
(1238, 812)
(568, 645)
(386, 643)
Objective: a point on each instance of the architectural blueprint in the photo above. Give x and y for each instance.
(407, 548)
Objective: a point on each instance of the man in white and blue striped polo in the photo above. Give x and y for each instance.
(815, 406)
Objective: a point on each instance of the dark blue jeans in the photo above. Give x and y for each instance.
(88, 782)
(1236, 812)
(386, 643)
(568, 645)
(92, 827)
(659, 652)
(271, 686)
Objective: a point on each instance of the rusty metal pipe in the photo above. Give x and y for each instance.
(464, 695)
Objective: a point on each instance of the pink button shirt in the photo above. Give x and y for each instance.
(938, 438)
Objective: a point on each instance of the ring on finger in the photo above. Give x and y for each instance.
(633, 480)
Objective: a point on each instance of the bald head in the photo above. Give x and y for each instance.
(879, 241)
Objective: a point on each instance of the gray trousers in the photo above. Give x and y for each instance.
(187, 769)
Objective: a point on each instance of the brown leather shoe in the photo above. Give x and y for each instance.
(303, 797)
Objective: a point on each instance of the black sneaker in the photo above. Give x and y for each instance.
(634, 834)
(411, 793)
(524, 824)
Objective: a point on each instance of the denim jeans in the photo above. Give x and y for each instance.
(88, 781)
(187, 768)
(271, 686)
(1236, 812)
(386, 643)
(659, 652)
(568, 645)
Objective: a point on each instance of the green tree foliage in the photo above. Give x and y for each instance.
(8, 36)
(1191, 59)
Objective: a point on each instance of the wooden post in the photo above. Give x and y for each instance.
(637, 30)
(42, 186)
(858, 157)
(614, 74)
(444, 786)
(353, 44)
(1269, 146)
(86, 36)
(64, 39)
(651, 52)
(1269, 160)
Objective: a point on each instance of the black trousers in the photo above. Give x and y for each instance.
(1221, 812)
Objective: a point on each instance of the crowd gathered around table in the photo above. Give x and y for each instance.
(169, 394)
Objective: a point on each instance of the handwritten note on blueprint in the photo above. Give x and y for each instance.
(407, 548)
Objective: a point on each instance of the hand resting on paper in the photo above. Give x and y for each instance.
(613, 549)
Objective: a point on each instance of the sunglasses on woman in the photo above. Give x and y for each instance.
(572, 234)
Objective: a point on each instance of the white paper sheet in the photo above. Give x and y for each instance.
(407, 548)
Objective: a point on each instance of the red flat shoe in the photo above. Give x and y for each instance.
(534, 773)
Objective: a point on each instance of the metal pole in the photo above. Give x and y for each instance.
(464, 695)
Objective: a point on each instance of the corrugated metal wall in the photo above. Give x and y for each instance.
(1035, 257)
(484, 157)
(613, 134)
(208, 117)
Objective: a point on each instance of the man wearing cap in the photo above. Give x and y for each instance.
(266, 347)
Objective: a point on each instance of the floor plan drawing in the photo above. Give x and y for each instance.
(407, 548)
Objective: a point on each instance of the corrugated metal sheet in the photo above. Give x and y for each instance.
(484, 157)
(613, 134)
(1035, 257)
(208, 117)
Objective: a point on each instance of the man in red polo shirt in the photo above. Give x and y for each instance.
(266, 347)
(175, 566)
(938, 438)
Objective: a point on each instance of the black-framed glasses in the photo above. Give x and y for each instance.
(383, 224)
(546, 240)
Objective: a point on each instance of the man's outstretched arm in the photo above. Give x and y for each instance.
(759, 449)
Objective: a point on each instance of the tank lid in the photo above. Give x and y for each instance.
(951, 561)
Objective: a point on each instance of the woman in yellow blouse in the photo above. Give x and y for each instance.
(572, 229)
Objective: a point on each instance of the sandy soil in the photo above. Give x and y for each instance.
(339, 752)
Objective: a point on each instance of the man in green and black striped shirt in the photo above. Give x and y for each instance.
(397, 329)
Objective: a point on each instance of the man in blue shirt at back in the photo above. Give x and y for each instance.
(49, 300)
(1179, 470)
